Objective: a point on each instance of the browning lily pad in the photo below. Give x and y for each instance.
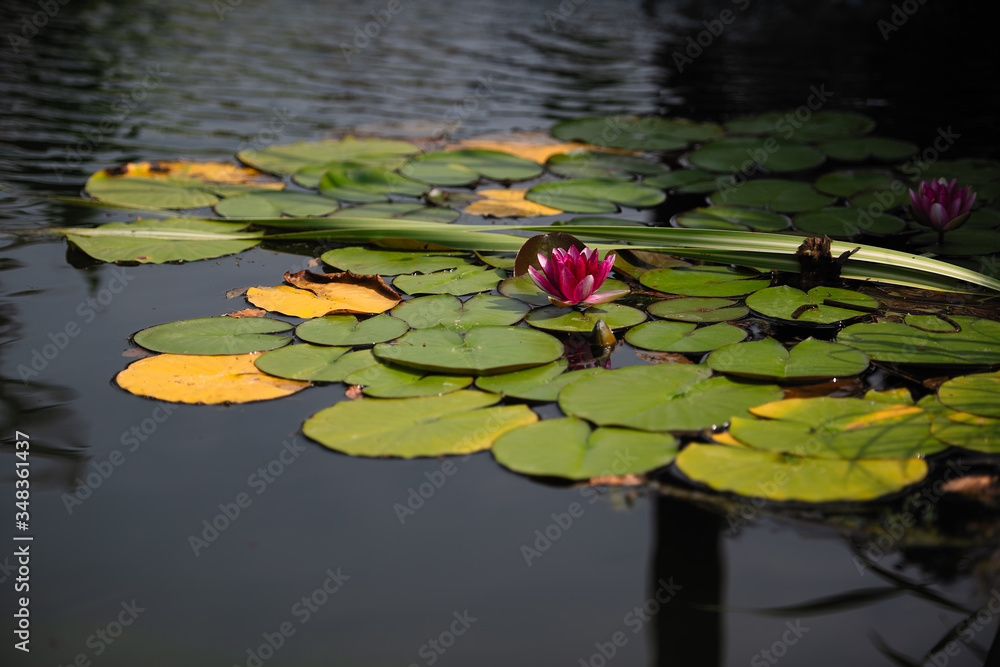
(348, 292)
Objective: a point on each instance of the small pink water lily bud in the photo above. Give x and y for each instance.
(942, 205)
(571, 277)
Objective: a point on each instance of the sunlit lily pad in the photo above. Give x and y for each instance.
(846, 183)
(572, 450)
(509, 203)
(555, 318)
(347, 292)
(384, 381)
(598, 164)
(204, 379)
(289, 158)
(368, 185)
(541, 383)
(523, 289)
(781, 477)
(275, 204)
(727, 155)
(347, 330)
(767, 359)
(697, 309)
(821, 305)
(778, 195)
(446, 310)
(665, 397)
(359, 259)
(595, 195)
(840, 222)
(685, 181)
(312, 363)
(731, 217)
(686, 337)
(483, 350)
(715, 281)
(978, 394)
(860, 149)
(977, 344)
(457, 423)
(153, 241)
(215, 336)
(463, 280)
(846, 428)
(635, 132)
(468, 165)
(963, 429)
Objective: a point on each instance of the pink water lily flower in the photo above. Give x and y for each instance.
(571, 277)
(942, 205)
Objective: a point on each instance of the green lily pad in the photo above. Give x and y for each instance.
(793, 305)
(148, 193)
(367, 261)
(664, 397)
(541, 383)
(215, 335)
(727, 155)
(347, 330)
(498, 260)
(977, 344)
(635, 133)
(984, 218)
(274, 204)
(960, 242)
(809, 361)
(686, 337)
(448, 311)
(717, 281)
(482, 350)
(523, 289)
(287, 159)
(573, 451)
(839, 428)
(963, 429)
(782, 477)
(594, 195)
(731, 217)
(152, 241)
(840, 222)
(457, 423)
(815, 126)
(462, 280)
(878, 198)
(695, 309)
(978, 394)
(597, 164)
(399, 211)
(384, 381)
(468, 165)
(846, 183)
(312, 363)
(860, 149)
(686, 181)
(556, 318)
(777, 194)
(368, 185)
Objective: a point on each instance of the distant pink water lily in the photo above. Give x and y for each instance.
(941, 204)
(572, 277)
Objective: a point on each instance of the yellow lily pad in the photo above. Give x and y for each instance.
(501, 203)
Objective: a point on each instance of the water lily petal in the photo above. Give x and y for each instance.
(542, 282)
(938, 216)
(604, 297)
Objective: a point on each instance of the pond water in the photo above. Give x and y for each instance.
(306, 558)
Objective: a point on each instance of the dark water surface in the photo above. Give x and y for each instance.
(103, 83)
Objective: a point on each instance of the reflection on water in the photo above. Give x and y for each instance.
(102, 83)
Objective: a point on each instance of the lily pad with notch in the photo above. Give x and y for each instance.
(215, 336)
(556, 318)
(976, 342)
(311, 363)
(711, 281)
(685, 337)
(595, 195)
(840, 222)
(462, 280)
(346, 330)
(731, 217)
(468, 165)
(386, 381)
(777, 194)
(811, 360)
(771, 154)
(541, 383)
(449, 311)
(359, 259)
(821, 305)
(698, 309)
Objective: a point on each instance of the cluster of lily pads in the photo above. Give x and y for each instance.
(457, 365)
